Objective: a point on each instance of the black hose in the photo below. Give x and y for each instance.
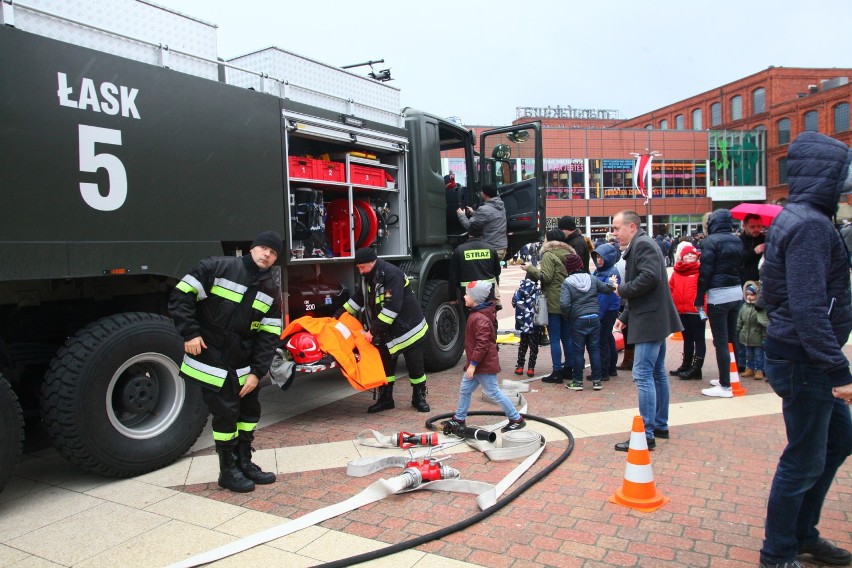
(461, 525)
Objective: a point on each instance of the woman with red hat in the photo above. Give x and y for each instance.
(683, 284)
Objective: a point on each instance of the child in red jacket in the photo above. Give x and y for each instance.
(684, 287)
(480, 347)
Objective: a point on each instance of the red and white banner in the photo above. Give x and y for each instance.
(642, 172)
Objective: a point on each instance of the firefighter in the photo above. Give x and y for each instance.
(474, 260)
(395, 324)
(228, 311)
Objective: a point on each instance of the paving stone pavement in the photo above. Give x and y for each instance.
(715, 469)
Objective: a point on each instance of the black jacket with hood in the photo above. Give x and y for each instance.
(721, 255)
(805, 275)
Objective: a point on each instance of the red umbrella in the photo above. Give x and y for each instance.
(767, 211)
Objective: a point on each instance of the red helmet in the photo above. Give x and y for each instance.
(304, 348)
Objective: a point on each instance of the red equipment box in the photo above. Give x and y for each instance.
(365, 175)
(329, 171)
(301, 167)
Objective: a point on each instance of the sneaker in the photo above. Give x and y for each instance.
(519, 370)
(747, 373)
(759, 376)
(624, 446)
(597, 385)
(718, 391)
(715, 382)
(448, 426)
(530, 372)
(554, 377)
(825, 552)
(574, 386)
(514, 425)
(794, 564)
(613, 372)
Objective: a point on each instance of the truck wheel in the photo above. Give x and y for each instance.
(113, 402)
(445, 338)
(11, 431)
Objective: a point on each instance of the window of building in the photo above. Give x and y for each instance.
(782, 170)
(736, 107)
(812, 121)
(679, 122)
(736, 158)
(565, 178)
(784, 131)
(696, 119)
(758, 100)
(841, 117)
(649, 126)
(664, 124)
(616, 178)
(715, 114)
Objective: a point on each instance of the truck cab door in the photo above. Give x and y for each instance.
(512, 159)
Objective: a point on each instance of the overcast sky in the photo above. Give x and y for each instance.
(480, 60)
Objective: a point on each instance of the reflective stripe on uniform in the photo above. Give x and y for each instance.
(387, 316)
(201, 371)
(271, 325)
(352, 307)
(391, 379)
(242, 374)
(486, 280)
(477, 254)
(417, 381)
(409, 338)
(224, 436)
(191, 284)
(262, 302)
(228, 289)
(246, 426)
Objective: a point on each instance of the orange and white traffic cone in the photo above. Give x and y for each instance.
(736, 386)
(638, 490)
(676, 336)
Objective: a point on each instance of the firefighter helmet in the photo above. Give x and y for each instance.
(304, 348)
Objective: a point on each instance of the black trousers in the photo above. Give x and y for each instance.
(234, 418)
(413, 360)
(693, 336)
(529, 340)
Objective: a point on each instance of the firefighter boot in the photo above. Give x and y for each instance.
(230, 476)
(250, 469)
(418, 398)
(385, 401)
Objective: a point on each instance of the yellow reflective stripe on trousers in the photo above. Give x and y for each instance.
(391, 379)
(487, 280)
(203, 372)
(409, 338)
(417, 381)
(246, 426)
(224, 436)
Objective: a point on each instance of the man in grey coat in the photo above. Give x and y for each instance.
(492, 215)
(651, 315)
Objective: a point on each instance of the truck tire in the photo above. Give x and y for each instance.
(445, 338)
(113, 402)
(11, 431)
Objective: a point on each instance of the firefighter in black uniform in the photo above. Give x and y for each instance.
(472, 260)
(228, 310)
(396, 324)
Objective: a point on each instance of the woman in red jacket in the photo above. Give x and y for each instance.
(684, 286)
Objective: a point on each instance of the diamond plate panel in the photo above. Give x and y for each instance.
(134, 18)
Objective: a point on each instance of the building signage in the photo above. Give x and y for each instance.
(567, 112)
(737, 193)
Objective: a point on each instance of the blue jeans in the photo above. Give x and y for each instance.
(586, 334)
(819, 438)
(649, 374)
(489, 385)
(559, 331)
(723, 325)
(754, 358)
(609, 354)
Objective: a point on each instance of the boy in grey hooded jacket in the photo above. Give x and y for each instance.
(578, 300)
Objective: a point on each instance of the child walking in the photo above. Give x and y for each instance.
(683, 284)
(578, 300)
(481, 351)
(524, 303)
(751, 329)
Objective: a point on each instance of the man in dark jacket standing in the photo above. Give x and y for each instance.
(574, 238)
(473, 260)
(228, 311)
(651, 316)
(807, 296)
(396, 324)
(754, 243)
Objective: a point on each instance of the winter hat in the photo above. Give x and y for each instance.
(567, 223)
(475, 229)
(554, 235)
(365, 255)
(573, 263)
(750, 288)
(689, 249)
(269, 239)
(479, 291)
(490, 190)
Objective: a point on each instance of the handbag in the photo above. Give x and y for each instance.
(540, 309)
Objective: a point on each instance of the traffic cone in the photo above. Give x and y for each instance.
(736, 386)
(638, 490)
(676, 336)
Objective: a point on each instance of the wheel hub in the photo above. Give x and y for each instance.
(446, 326)
(139, 394)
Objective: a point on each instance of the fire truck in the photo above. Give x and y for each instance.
(130, 151)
